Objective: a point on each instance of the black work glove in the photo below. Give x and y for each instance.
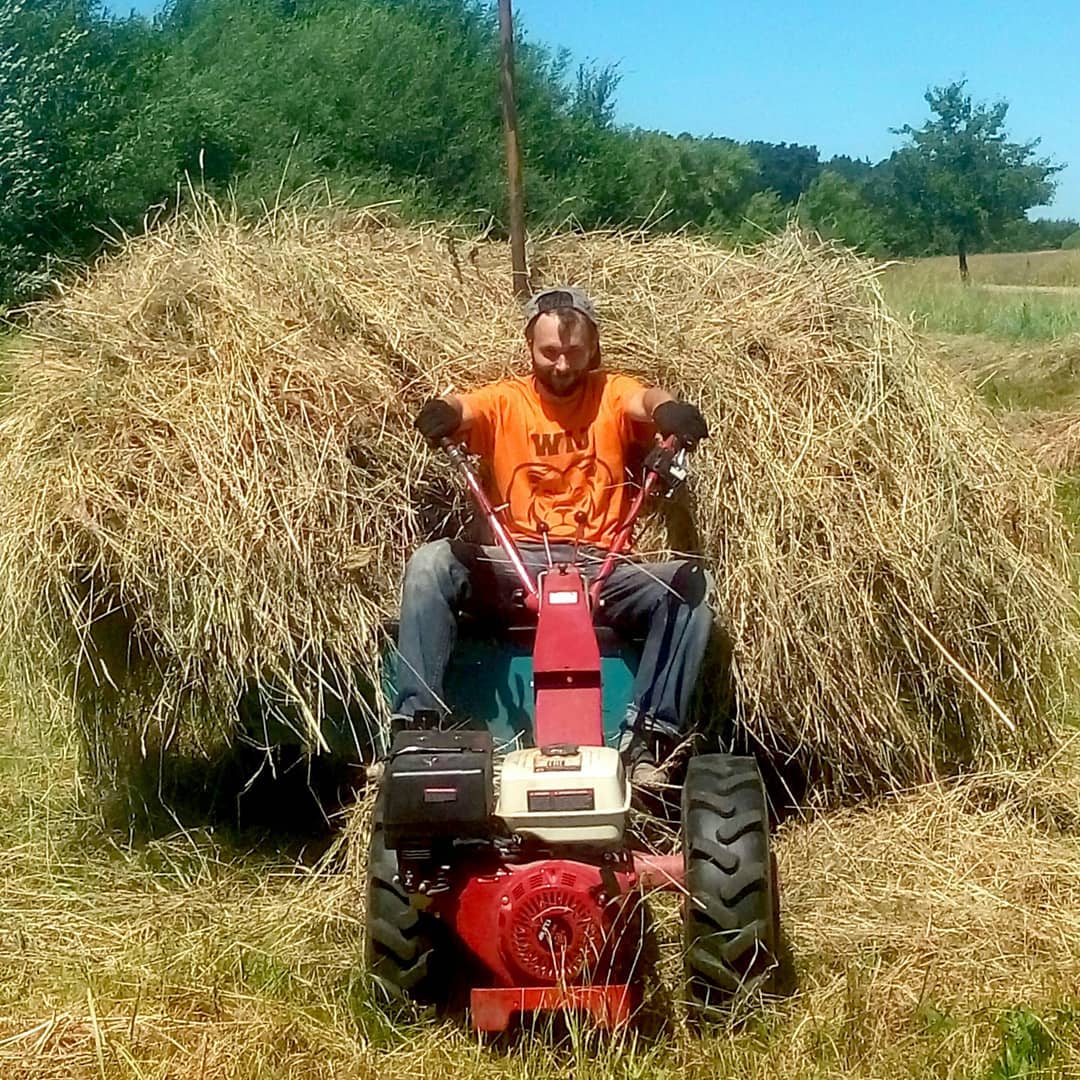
(681, 419)
(437, 420)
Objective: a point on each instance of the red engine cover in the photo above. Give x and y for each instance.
(549, 923)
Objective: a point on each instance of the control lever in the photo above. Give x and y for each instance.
(671, 465)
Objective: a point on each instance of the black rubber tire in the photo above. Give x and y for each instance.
(405, 949)
(731, 914)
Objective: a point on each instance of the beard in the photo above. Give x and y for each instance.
(559, 385)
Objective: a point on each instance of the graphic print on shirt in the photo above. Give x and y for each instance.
(540, 492)
(549, 443)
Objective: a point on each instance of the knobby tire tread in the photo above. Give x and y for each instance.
(731, 921)
(402, 945)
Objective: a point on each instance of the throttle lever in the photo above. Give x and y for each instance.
(671, 465)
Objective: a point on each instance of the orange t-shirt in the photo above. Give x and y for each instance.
(550, 459)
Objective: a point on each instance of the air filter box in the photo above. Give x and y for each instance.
(565, 795)
(438, 785)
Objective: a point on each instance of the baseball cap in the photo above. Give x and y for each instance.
(561, 296)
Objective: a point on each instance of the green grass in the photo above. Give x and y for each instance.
(1028, 1043)
(1039, 268)
(939, 305)
(6, 341)
(1068, 501)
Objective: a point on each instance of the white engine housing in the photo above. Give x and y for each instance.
(557, 797)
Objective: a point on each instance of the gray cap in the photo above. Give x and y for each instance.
(560, 296)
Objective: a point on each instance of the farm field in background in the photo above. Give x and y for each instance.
(1032, 297)
(1014, 333)
(934, 934)
(1037, 268)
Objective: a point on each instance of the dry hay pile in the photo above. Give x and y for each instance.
(210, 482)
(972, 885)
(1053, 439)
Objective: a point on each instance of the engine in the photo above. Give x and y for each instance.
(531, 920)
(547, 923)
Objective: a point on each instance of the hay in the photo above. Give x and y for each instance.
(912, 924)
(964, 890)
(210, 484)
(1053, 440)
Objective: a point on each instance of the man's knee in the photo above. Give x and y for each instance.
(690, 583)
(431, 568)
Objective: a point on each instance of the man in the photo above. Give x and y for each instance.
(557, 443)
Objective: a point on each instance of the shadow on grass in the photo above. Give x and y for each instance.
(282, 799)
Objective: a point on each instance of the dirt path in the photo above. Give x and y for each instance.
(1057, 290)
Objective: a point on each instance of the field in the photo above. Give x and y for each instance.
(1017, 297)
(1014, 331)
(931, 934)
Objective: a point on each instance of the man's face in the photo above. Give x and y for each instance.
(560, 353)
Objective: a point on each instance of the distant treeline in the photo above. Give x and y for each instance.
(102, 117)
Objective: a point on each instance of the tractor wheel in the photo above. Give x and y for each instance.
(732, 915)
(405, 948)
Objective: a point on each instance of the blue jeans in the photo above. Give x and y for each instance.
(662, 602)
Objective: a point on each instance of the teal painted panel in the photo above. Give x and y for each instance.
(489, 682)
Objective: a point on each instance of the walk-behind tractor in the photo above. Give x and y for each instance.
(524, 866)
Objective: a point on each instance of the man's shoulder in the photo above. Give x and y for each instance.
(617, 378)
(616, 385)
(512, 386)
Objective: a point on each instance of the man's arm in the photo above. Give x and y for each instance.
(445, 416)
(641, 405)
(671, 417)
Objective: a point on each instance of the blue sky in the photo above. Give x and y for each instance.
(831, 74)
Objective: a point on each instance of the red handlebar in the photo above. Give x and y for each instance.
(460, 459)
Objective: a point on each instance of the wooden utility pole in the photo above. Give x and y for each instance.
(513, 150)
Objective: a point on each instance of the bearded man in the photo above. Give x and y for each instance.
(557, 443)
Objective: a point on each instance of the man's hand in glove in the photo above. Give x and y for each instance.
(437, 420)
(681, 419)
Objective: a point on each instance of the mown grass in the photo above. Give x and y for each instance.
(207, 953)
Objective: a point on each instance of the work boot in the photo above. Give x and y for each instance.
(639, 753)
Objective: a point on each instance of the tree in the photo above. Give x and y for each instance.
(66, 76)
(1040, 234)
(838, 209)
(961, 177)
(786, 168)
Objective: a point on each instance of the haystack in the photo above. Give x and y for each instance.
(209, 484)
(1053, 439)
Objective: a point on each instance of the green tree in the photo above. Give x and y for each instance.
(63, 73)
(838, 209)
(764, 213)
(960, 178)
(683, 181)
(101, 118)
(786, 168)
(1040, 234)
